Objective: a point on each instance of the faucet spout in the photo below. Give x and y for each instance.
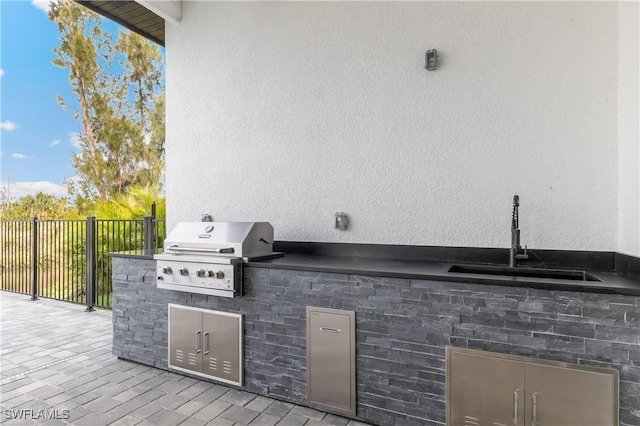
(515, 251)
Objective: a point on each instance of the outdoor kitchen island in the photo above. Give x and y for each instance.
(406, 313)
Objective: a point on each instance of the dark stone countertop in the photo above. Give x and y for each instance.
(612, 282)
(134, 254)
(369, 260)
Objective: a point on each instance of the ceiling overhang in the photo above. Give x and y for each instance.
(131, 15)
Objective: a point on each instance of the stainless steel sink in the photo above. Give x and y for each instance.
(556, 274)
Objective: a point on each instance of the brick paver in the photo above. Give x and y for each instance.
(56, 357)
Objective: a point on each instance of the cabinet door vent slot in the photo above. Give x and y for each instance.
(179, 356)
(471, 421)
(192, 359)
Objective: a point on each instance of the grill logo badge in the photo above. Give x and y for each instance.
(208, 228)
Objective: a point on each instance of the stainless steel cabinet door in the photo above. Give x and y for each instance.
(558, 396)
(221, 347)
(331, 359)
(485, 391)
(493, 389)
(185, 338)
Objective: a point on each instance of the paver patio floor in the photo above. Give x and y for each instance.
(56, 368)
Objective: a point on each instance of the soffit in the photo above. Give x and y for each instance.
(131, 15)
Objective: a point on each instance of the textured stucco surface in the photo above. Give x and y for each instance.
(289, 112)
(629, 130)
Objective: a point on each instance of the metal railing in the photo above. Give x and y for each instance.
(71, 256)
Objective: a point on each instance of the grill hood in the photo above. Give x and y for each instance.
(226, 239)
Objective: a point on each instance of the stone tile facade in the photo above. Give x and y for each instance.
(402, 329)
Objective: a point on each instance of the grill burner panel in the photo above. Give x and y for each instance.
(216, 279)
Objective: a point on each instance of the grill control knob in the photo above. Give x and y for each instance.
(211, 274)
(219, 275)
(184, 272)
(200, 273)
(167, 270)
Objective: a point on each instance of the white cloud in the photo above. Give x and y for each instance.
(1, 72)
(18, 156)
(74, 139)
(7, 125)
(73, 181)
(54, 143)
(42, 5)
(20, 189)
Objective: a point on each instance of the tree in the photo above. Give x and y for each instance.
(135, 204)
(126, 235)
(121, 113)
(41, 205)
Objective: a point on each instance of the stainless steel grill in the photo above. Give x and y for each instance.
(207, 257)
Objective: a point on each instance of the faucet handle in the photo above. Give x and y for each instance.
(523, 256)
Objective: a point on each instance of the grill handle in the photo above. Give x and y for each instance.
(225, 250)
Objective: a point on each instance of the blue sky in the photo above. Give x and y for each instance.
(36, 135)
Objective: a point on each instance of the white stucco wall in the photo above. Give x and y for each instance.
(289, 112)
(629, 130)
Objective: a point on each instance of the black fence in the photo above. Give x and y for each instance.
(71, 256)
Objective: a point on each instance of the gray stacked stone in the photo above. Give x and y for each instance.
(402, 329)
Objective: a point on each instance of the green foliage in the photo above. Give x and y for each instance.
(62, 257)
(122, 114)
(41, 205)
(135, 204)
(124, 233)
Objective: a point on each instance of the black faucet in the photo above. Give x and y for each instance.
(515, 252)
